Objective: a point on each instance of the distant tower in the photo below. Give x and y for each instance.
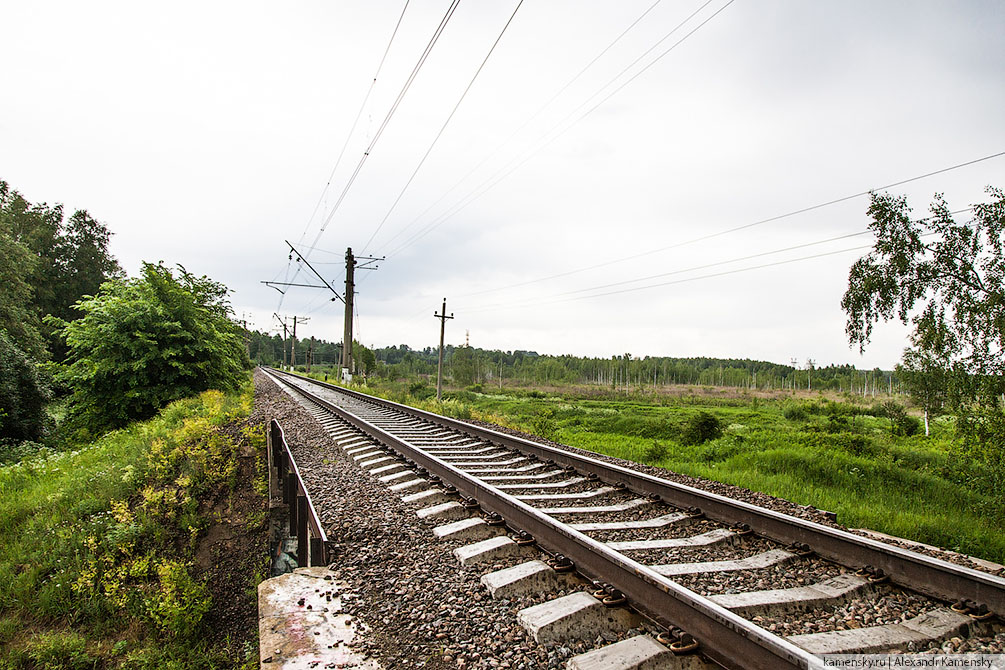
(467, 338)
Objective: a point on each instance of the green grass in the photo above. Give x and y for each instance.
(95, 543)
(833, 455)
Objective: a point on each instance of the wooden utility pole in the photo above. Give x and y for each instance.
(351, 263)
(283, 322)
(293, 341)
(350, 274)
(439, 366)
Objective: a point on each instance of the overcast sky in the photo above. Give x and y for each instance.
(204, 133)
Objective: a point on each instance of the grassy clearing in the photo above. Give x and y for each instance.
(97, 544)
(834, 454)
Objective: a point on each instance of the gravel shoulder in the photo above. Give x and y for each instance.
(423, 608)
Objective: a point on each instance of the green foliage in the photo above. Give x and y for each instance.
(700, 428)
(462, 366)
(56, 650)
(925, 376)
(178, 605)
(58, 261)
(23, 395)
(655, 452)
(544, 424)
(795, 412)
(363, 359)
(900, 422)
(97, 543)
(948, 280)
(18, 316)
(147, 341)
(421, 391)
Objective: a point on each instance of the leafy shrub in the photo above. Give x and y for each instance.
(700, 428)
(544, 424)
(420, 391)
(901, 423)
(837, 423)
(145, 342)
(23, 395)
(455, 408)
(795, 412)
(55, 651)
(655, 452)
(178, 605)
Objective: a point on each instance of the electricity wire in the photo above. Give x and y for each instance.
(558, 298)
(443, 127)
(355, 122)
(526, 123)
(745, 226)
(387, 118)
(474, 195)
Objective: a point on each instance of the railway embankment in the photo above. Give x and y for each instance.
(427, 522)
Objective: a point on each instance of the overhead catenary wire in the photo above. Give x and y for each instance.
(387, 118)
(734, 229)
(527, 122)
(355, 121)
(496, 178)
(559, 298)
(359, 166)
(444, 126)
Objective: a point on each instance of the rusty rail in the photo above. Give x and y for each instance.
(312, 541)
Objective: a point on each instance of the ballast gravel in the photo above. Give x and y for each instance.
(738, 493)
(423, 608)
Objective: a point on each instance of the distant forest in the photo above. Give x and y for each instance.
(466, 366)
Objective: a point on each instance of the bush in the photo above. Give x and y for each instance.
(901, 423)
(655, 452)
(178, 605)
(23, 395)
(544, 424)
(420, 391)
(794, 413)
(145, 342)
(700, 428)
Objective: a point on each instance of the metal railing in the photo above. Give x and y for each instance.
(312, 541)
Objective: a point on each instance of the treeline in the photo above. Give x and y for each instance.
(72, 324)
(465, 366)
(47, 263)
(305, 353)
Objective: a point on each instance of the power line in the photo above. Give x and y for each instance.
(444, 127)
(475, 194)
(352, 129)
(745, 226)
(701, 267)
(736, 260)
(526, 123)
(390, 114)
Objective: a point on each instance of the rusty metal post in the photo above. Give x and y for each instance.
(291, 500)
(318, 552)
(303, 541)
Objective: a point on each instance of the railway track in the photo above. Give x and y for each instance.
(743, 585)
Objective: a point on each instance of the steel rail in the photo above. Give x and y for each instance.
(725, 637)
(926, 574)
